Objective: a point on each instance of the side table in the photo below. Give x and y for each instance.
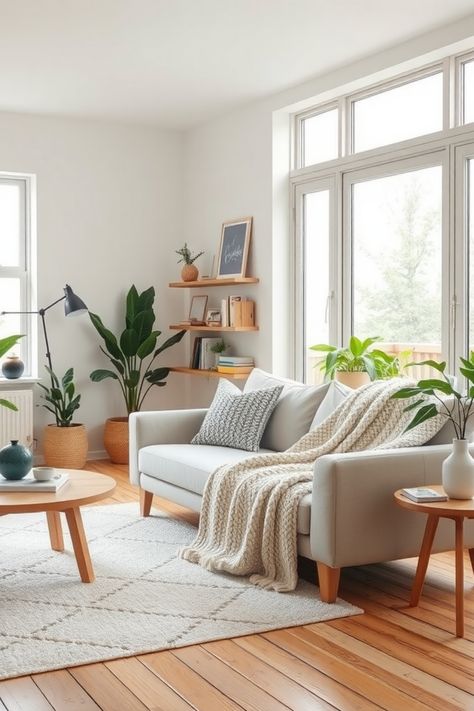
(457, 510)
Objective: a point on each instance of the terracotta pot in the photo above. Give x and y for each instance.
(352, 380)
(65, 447)
(189, 272)
(116, 439)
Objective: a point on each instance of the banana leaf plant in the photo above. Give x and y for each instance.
(133, 353)
(61, 397)
(5, 345)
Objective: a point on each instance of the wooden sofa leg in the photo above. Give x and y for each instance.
(146, 498)
(328, 582)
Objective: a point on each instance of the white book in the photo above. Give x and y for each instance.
(422, 494)
(29, 483)
(225, 312)
(208, 358)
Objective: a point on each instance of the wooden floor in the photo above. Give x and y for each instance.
(391, 657)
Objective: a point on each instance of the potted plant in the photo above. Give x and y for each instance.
(65, 442)
(219, 347)
(457, 408)
(355, 365)
(5, 345)
(132, 355)
(189, 272)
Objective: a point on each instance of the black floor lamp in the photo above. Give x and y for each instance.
(73, 306)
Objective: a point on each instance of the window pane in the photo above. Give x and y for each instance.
(397, 261)
(316, 279)
(10, 290)
(10, 224)
(468, 91)
(407, 111)
(471, 251)
(320, 137)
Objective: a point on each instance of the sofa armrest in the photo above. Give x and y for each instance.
(354, 519)
(160, 427)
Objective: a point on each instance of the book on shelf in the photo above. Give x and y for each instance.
(422, 494)
(29, 483)
(207, 358)
(196, 353)
(237, 311)
(235, 370)
(235, 360)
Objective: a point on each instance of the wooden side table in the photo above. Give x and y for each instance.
(458, 510)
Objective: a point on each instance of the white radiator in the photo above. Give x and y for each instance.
(17, 425)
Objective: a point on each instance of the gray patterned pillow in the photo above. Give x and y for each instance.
(235, 419)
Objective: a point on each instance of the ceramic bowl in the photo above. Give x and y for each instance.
(44, 473)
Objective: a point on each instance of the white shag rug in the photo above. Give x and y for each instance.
(144, 598)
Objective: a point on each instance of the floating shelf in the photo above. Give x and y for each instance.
(216, 329)
(210, 373)
(203, 283)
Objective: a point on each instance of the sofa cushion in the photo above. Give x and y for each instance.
(188, 466)
(336, 393)
(294, 411)
(237, 419)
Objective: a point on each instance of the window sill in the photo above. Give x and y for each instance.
(28, 380)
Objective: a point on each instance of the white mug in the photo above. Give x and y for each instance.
(43, 473)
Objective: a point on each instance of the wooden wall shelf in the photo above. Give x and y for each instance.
(210, 373)
(215, 329)
(203, 283)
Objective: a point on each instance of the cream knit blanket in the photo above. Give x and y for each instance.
(249, 510)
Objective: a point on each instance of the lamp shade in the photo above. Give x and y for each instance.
(73, 305)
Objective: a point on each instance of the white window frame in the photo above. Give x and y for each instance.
(26, 270)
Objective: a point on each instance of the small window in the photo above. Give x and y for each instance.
(468, 92)
(319, 136)
(409, 110)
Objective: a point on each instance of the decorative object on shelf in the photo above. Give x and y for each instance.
(218, 349)
(213, 317)
(355, 365)
(234, 365)
(13, 367)
(457, 408)
(65, 443)
(189, 272)
(234, 248)
(5, 345)
(132, 356)
(15, 461)
(197, 310)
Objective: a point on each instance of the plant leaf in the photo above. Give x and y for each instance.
(440, 367)
(148, 345)
(133, 380)
(143, 324)
(97, 375)
(108, 337)
(131, 306)
(7, 343)
(170, 342)
(424, 413)
(323, 348)
(433, 384)
(8, 404)
(153, 376)
(406, 392)
(67, 377)
(146, 300)
(129, 342)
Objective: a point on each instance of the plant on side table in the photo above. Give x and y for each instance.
(457, 408)
(65, 442)
(132, 355)
(189, 272)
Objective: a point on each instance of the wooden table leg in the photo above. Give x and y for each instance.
(423, 559)
(459, 577)
(471, 556)
(79, 543)
(55, 530)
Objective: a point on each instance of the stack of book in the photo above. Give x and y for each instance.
(232, 365)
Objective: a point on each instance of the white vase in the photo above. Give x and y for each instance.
(458, 471)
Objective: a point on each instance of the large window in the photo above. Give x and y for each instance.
(16, 273)
(385, 232)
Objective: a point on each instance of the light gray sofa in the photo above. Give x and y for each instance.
(349, 519)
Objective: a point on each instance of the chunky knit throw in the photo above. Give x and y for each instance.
(249, 509)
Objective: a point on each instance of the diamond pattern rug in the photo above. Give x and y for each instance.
(144, 598)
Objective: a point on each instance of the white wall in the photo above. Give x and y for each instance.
(232, 170)
(109, 215)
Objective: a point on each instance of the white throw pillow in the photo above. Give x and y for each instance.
(237, 419)
(336, 393)
(294, 411)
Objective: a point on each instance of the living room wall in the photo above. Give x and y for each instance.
(238, 165)
(109, 215)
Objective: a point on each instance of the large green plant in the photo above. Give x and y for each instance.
(357, 358)
(5, 345)
(61, 397)
(134, 352)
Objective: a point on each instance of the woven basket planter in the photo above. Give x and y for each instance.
(65, 447)
(116, 439)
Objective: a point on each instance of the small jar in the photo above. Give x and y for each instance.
(13, 367)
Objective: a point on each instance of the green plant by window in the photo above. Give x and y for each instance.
(357, 358)
(62, 397)
(5, 345)
(186, 255)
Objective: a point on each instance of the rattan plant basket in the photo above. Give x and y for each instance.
(65, 447)
(116, 439)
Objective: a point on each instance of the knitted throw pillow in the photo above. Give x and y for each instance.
(237, 419)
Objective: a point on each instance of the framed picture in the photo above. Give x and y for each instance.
(234, 248)
(197, 309)
(213, 317)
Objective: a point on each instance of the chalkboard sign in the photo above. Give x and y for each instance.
(234, 248)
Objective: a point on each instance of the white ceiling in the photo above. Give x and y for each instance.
(179, 62)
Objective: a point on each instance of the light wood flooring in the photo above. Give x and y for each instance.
(391, 657)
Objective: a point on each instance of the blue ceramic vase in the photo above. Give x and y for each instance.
(13, 367)
(15, 461)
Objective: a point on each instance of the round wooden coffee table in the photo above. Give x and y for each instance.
(83, 487)
(457, 510)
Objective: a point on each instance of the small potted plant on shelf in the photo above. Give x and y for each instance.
(356, 365)
(65, 442)
(218, 348)
(132, 356)
(189, 272)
